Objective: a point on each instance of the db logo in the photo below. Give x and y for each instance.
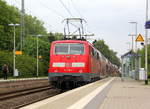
(68, 64)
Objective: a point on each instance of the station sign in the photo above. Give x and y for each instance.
(40, 57)
(18, 52)
(147, 24)
(139, 38)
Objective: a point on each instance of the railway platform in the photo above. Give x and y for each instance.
(127, 94)
(112, 93)
(21, 79)
(82, 97)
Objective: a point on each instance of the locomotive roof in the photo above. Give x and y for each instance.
(72, 41)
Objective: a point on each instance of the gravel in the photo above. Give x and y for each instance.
(13, 86)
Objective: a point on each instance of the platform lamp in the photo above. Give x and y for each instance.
(14, 26)
(129, 45)
(135, 33)
(37, 53)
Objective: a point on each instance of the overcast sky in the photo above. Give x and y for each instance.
(107, 19)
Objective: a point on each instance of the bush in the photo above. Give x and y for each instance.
(26, 65)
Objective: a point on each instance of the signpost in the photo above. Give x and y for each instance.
(147, 26)
(139, 38)
(18, 52)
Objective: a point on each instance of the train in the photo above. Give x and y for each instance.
(76, 62)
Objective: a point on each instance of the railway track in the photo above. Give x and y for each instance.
(15, 94)
(20, 98)
(53, 93)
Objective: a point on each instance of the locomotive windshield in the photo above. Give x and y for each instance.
(69, 48)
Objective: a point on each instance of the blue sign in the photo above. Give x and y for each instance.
(147, 24)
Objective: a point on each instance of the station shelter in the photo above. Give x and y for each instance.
(131, 63)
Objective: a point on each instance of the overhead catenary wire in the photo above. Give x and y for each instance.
(66, 8)
(76, 9)
(41, 17)
(81, 16)
(45, 6)
(17, 2)
(54, 11)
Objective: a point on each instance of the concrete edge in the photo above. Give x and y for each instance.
(40, 104)
(94, 99)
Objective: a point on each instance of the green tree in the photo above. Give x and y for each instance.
(8, 14)
(30, 48)
(33, 26)
(25, 64)
(54, 36)
(11, 14)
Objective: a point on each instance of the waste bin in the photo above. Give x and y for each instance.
(142, 74)
(16, 73)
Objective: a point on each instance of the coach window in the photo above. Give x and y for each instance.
(100, 57)
(92, 51)
(103, 58)
(97, 56)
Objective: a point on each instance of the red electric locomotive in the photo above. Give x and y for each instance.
(75, 62)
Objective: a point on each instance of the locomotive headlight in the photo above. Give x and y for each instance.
(58, 64)
(80, 71)
(56, 70)
(78, 64)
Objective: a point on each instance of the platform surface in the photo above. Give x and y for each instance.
(74, 99)
(127, 94)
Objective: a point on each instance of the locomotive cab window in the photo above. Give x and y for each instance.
(61, 49)
(69, 48)
(76, 49)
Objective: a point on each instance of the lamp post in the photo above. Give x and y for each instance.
(146, 40)
(129, 45)
(132, 41)
(37, 54)
(14, 25)
(135, 34)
